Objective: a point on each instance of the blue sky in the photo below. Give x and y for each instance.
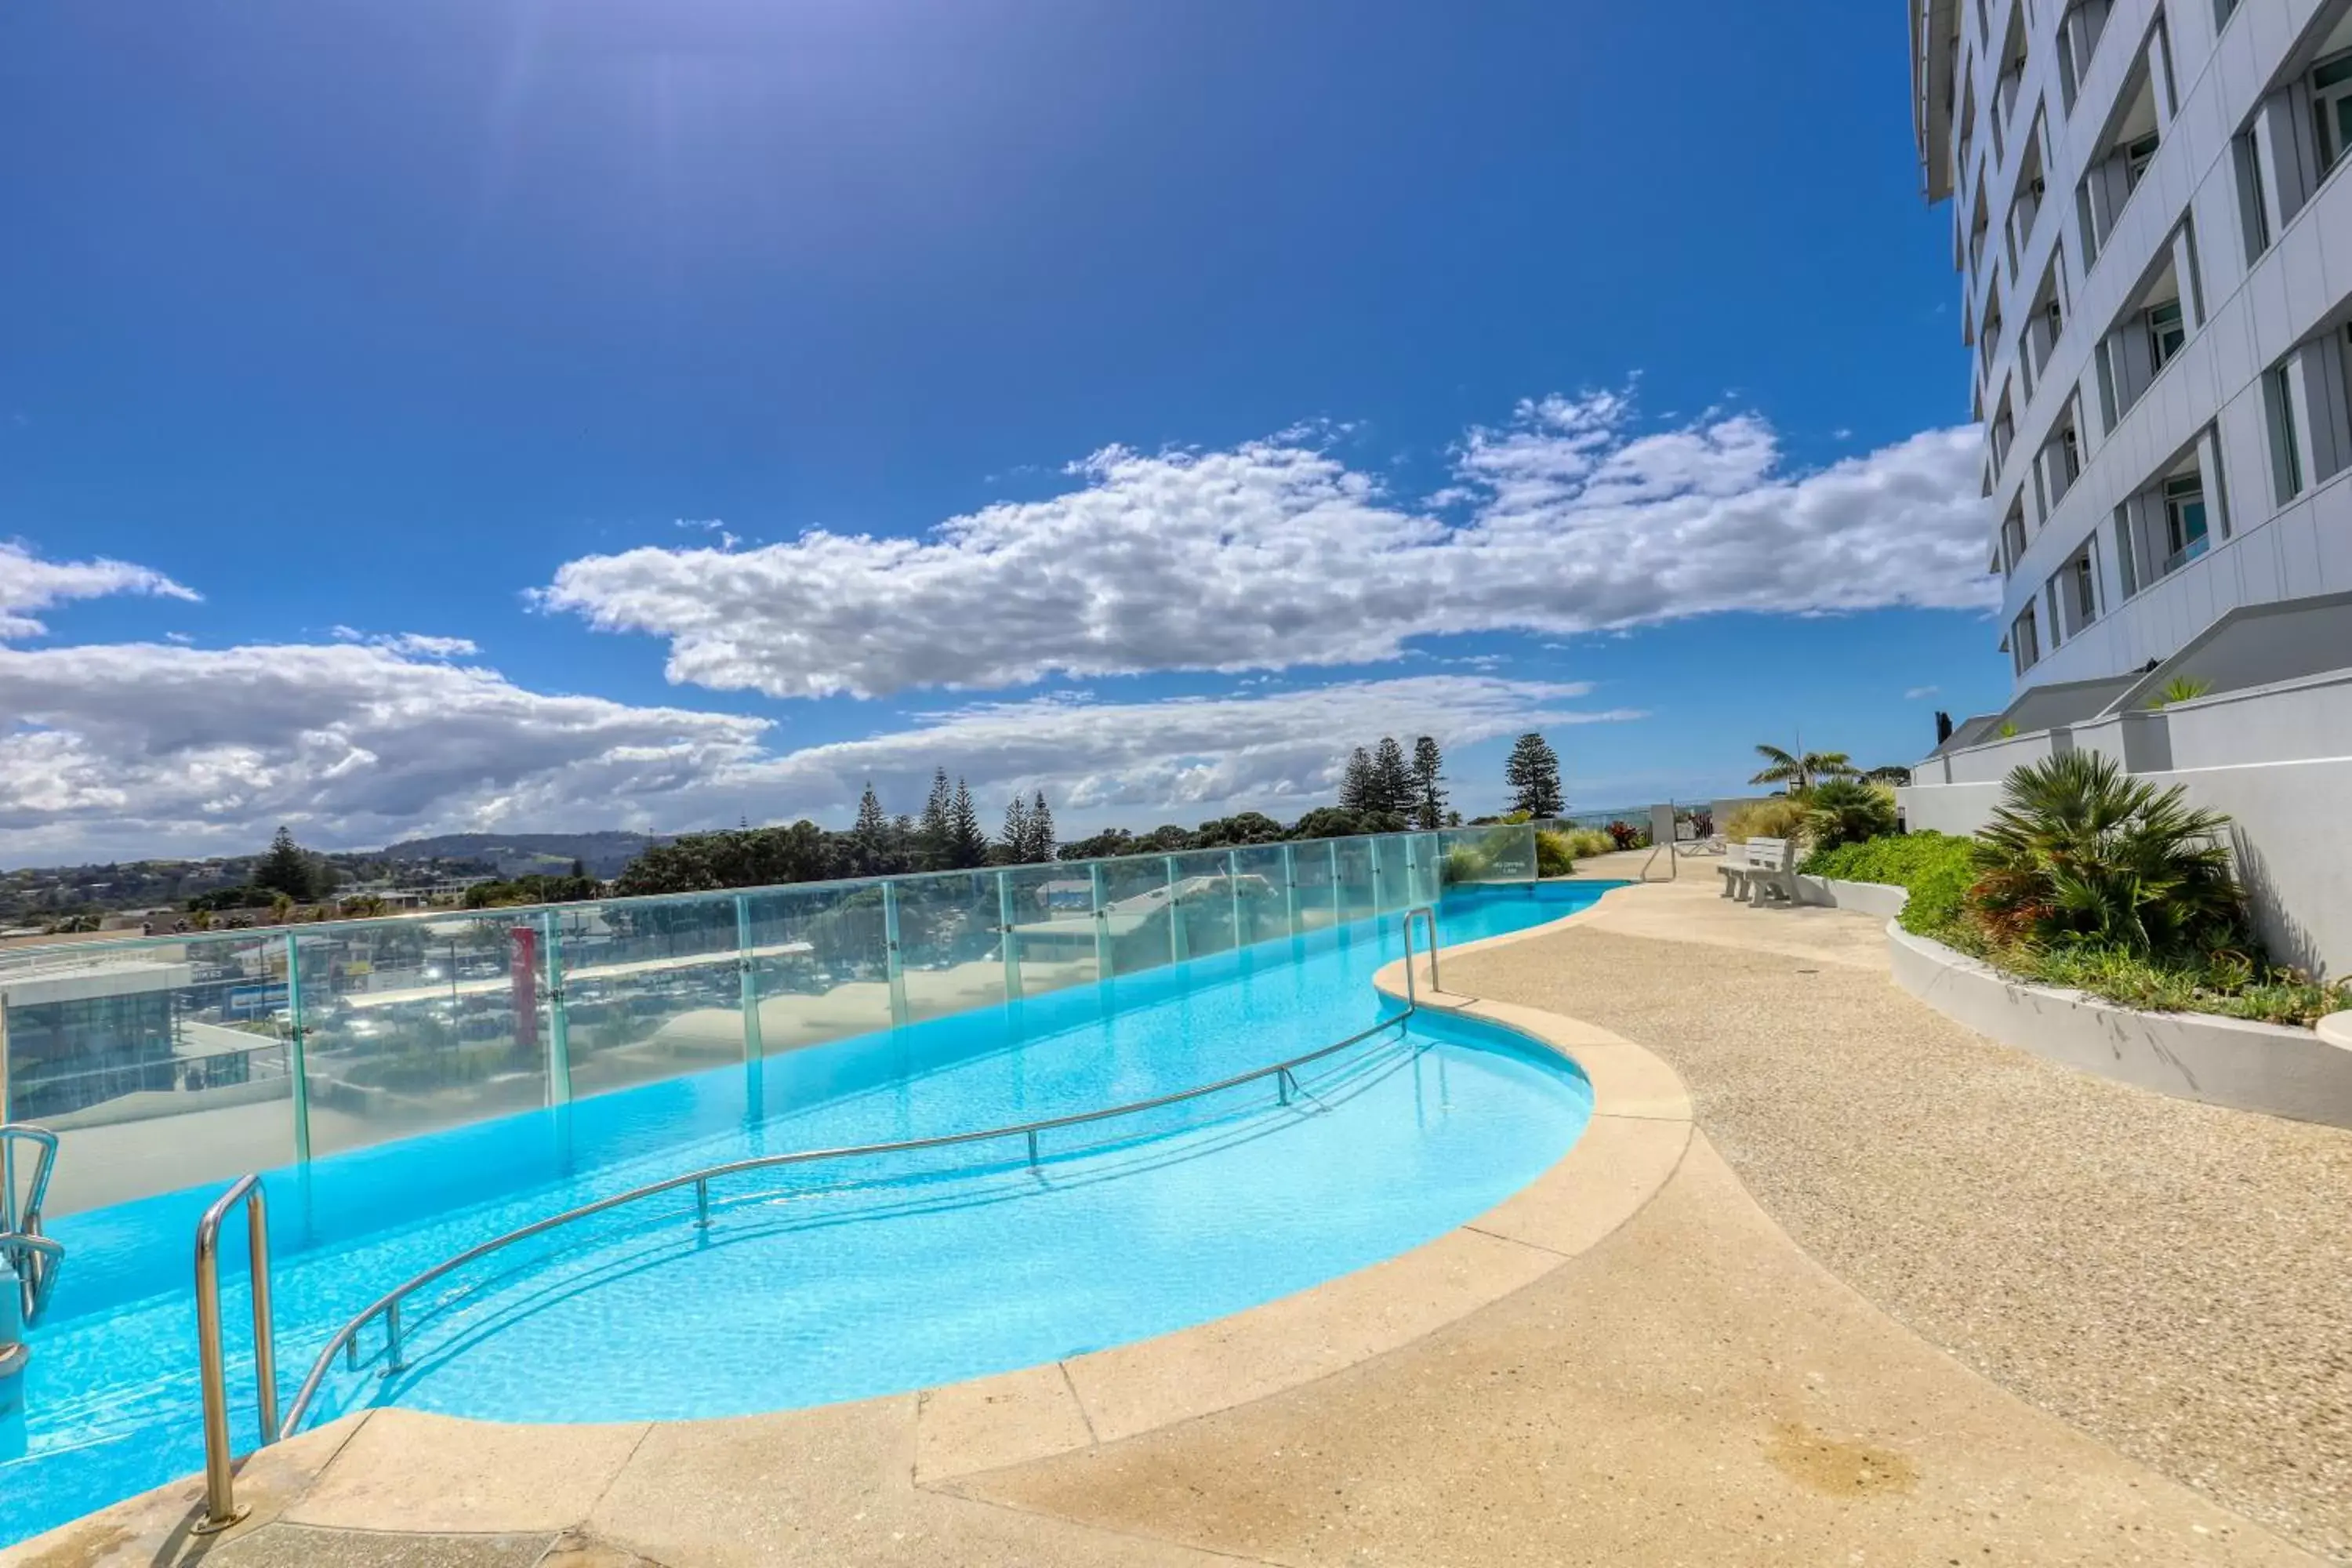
(415, 418)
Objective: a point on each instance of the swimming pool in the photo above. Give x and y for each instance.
(855, 1281)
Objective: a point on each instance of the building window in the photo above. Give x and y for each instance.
(2086, 589)
(2070, 455)
(2286, 453)
(2165, 332)
(2012, 538)
(2136, 160)
(2253, 206)
(2331, 106)
(2184, 520)
(2125, 566)
(2024, 644)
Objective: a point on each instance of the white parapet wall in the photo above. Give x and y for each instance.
(2242, 754)
(1863, 898)
(2303, 1074)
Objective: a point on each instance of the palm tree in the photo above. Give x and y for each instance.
(2078, 850)
(1800, 773)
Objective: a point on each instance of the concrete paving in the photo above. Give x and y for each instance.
(1631, 1361)
(2166, 1276)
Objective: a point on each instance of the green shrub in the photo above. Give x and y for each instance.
(1555, 853)
(1583, 842)
(1779, 817)
(2227, 982)
(1463, 863)
(2079, 852)
(1936, 867)
(1942, 874)
(1848, 811)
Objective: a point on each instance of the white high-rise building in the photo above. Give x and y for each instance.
(2154, 236)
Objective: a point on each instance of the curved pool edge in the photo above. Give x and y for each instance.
(1639, 1130)
(1640, 1127)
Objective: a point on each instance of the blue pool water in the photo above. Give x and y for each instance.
(844, 1279)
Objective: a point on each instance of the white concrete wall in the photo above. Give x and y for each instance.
(2276, 1070)
(2291, 830)
(2288, 722)
(1958, 809)
(1878, 899)
(1994, 761)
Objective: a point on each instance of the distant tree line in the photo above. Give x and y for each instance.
(1383, 788)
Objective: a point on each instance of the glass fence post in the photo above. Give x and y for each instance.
(297, 1067)
(559, 1031)
(1412, 874)
(1004, 928)
(1339, 912)
(1234, 885)
(1290, 887)
(748, 992)
(1531, 851)
(1373, 849)
(1101, 916)
(891, 966)
(1175, 919)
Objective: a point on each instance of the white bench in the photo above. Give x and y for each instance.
(1758, 869)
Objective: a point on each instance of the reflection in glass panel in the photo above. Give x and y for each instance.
(1206, 895)
(1502, 853)
(1264, 901)
(1395, 874)
(417, 1024)
(1317, 867)
(158, 1067)
(1428, 857)
(652, 989)
(820, 962)
(1053, 926)
(1135, 915)
(949, 949)
(1356, 862)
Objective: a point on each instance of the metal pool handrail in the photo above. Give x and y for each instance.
(35, 1257)
(387, 1306)
(220, 1480)
(1420, 912)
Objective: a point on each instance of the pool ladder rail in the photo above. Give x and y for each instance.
(221, 1508)
(32, 1257)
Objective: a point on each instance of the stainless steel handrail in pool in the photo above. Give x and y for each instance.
(220, 1479)
(34, 1257)
(1420, 912)
(387, 1306)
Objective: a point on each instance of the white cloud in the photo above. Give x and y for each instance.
(1194, 756)
(422, 644)
(1277, 554)
(113, 749)
(1918, 693)
(153, 745)
(28, 584)
(428, 647)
